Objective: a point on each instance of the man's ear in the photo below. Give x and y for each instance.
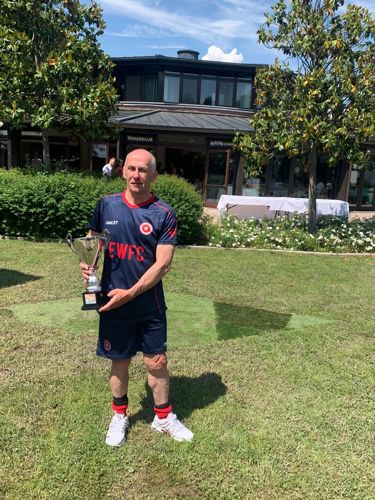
(154, 175)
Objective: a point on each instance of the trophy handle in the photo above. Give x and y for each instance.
(69, 240)
(104, 242)
(105, 239)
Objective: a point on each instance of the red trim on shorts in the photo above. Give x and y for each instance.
(130, 205)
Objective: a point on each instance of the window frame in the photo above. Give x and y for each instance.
(243, 80)
(221, 80)
(212, 79)
(173, 75)
(190, 76)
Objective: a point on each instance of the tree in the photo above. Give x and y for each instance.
(325, 105)
(53, 73)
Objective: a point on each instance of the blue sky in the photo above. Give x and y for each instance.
(149, 27)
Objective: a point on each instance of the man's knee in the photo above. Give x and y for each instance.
(120, 365)
(155, 362)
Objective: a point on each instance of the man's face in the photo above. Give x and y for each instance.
(138, 172)
(112, 162)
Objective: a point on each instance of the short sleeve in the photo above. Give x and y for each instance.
(168, 233)
(95, 221)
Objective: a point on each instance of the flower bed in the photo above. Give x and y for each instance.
(334, 234)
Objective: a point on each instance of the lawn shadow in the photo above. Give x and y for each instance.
(186, 395)
(240, 321)
(9, 277)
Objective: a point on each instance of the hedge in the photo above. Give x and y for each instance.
(39, 205)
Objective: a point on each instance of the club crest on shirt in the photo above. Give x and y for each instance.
(146, 228)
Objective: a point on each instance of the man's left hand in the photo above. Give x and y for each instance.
(118, 297)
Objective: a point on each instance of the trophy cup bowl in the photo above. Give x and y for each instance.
(89, 249)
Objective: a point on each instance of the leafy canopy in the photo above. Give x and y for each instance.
(327, 104)
(53, 71)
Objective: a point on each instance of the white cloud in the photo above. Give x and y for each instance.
(206, 29)
(137, 31)
(217, 54)
(158, 47)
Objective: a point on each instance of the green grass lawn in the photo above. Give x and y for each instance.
(272, 367)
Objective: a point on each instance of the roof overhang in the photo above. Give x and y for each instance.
(178, 121)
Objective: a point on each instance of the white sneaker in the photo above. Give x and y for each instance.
(172, 426)
(116, 434)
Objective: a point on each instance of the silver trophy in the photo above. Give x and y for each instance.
(89, 249)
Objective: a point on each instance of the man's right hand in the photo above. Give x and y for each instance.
(86, 271)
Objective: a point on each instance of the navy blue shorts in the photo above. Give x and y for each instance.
(122, 339)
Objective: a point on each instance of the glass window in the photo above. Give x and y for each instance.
(325, 176)
(3, 153)
(216, 167)
(171, 88)
(189, 90)
(133, 88)
(98, 156)
(279, 182)
(243, 95)
(226, 93)
(255, 186)
(368, 185)
(213, 194)
(300, 188)
(353, 185)
(208, 92)
(150, 88)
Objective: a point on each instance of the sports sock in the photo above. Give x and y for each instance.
(120, 405)
(162, 411)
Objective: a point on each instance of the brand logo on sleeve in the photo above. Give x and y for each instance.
(146, 228)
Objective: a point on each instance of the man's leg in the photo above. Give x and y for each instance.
(158, 381)
(158, 377)
(118, 381)
(119, 377)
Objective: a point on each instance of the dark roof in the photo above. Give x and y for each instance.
(190, 62)
(182, 121)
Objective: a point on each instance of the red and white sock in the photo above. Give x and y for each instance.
(162, 411)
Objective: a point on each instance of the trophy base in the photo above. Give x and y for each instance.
(92, 301)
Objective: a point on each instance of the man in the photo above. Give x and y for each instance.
(109, 168)
(142, 241)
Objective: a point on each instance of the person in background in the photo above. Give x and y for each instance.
(108, 169)
(36, 161)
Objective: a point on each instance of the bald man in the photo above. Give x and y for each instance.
(142, 241)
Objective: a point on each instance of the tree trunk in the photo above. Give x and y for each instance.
(46, 155)
(312, 190)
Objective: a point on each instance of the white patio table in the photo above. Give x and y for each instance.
(268, 207)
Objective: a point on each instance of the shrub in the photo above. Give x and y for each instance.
(35, 204)
(187, 203)
(334, 234)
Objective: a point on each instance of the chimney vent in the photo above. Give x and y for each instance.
(188, 54)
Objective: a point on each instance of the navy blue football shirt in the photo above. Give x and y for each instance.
(135, 231)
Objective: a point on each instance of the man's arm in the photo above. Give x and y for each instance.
(162, 265)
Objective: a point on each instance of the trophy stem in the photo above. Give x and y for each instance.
(93, 284)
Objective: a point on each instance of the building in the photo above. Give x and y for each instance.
(187, 111)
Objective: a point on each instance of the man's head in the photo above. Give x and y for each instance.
(140, 172)
(112, 161)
